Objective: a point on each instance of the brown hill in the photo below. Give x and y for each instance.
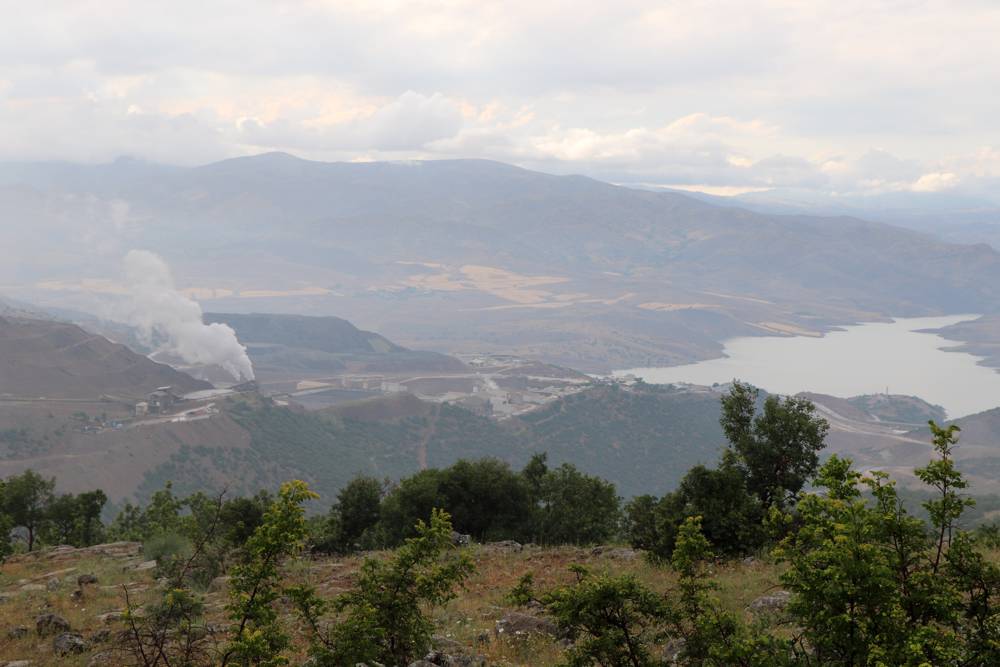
(47, 359)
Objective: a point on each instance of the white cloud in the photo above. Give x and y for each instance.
(936, 182)
(844, 95)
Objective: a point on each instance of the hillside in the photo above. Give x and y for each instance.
(642, 439)
(284, 346)
(43, 358)
(564, 269)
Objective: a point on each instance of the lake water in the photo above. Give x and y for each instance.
(862, 359)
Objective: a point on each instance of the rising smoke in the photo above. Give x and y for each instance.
(173, 322)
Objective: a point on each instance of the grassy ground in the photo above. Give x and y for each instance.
(469, 619)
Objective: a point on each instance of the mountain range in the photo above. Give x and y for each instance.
(464, 255)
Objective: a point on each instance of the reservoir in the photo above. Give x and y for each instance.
(859, 359)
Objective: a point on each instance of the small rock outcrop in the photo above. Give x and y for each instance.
(518, 625)
(617, 553)
(50, 624)
(67, 643)
(111, 617)
(771, 603)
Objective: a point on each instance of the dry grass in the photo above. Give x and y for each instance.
(469, 619)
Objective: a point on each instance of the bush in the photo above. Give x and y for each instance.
(383, 619)
(167, 547)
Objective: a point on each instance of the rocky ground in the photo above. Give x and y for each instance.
(63, 606)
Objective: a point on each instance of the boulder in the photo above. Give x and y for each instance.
(506, 546)
(85, 579)
(145, 565)
(516, 624)
(50, 624)
(111, 617)
(618, 553)
(770, 604)
(19, 663)
(460, 539)
(19, 632)
(31, 588)
(67, 643)
(439, 659)
(53, 584)
(101, 636)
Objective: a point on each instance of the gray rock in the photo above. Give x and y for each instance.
(29, 588)
(50, 624)
(618, 553)
(507, 546)
(145, 565)
(19, 663)
(769, 604)
(68, 642)
(460, 539)
(445, 660)
(100, 636)
(111, 617)
(85, 579)
(19, 632)
(516, 624)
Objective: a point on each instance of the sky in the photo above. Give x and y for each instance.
(836, 97)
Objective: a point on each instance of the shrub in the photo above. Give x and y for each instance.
(383, 619)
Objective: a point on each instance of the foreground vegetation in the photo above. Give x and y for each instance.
(821, 565)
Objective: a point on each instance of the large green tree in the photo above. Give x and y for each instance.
(776, 444)
(26, 500)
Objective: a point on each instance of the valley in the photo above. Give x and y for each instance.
(563, 269)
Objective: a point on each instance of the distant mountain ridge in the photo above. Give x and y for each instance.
(281, 344)
(458, 255)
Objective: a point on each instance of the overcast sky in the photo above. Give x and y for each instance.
(836, 96)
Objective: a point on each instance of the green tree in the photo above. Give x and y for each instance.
(6, 544)
(731, 516)
(613, 621)
(485, 498)
(575, 508)
(351, 522)
(778, 446)
(411, 501)
(255, 584)
(873, 585)
(713, 636)
(27, 498)
(162, 514)
(383, 618)
(76, 519)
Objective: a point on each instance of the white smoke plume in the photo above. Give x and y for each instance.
(165, 316)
